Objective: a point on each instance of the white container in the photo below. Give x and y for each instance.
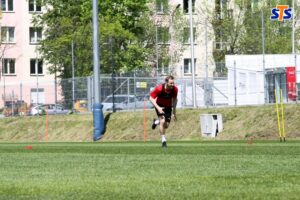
(211, 124)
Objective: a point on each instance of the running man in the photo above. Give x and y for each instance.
(164, 100)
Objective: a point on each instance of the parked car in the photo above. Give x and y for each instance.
(51, 109)
(37, 110)
(140, 101)
(57, 109)
(126, 102)
(117, 100)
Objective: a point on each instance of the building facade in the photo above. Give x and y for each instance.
(253, 79)
(25, 75)
(180, 63)
(22, 67)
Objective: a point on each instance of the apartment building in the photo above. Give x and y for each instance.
(22, 69)
(203, 38)
(25, 75)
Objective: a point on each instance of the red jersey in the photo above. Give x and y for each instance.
(164, 97)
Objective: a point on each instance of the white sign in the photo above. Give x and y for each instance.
(141, 84)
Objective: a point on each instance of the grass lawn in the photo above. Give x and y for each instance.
(136, 170)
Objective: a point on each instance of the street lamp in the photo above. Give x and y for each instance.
(192, 52)
(157, 22)
(73, 76)
(156, 51)
(97, 107)
(171, 31)
(263, 56)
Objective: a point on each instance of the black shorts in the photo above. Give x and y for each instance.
(167, 113)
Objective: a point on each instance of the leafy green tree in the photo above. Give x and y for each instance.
(168, 25)
(71, 20)
(126, 39)
(127, 35)
(240, 30)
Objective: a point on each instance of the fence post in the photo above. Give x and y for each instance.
(295, 57)
(128, 90)
(90, 92)
(55, 90)
(21, 98)
(134, 89)
(235, 95)
(12, 104)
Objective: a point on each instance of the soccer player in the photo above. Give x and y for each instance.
(164, 100)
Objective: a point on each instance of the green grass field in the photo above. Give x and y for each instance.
(136, 170)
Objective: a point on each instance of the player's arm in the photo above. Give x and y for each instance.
(174, 104)
(153, 101)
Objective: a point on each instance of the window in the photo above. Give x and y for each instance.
(9, 66)
(188, 65)
(35, 6)
(7, 5)
(186, 35)
(7, 34)
(36, 66)
(163, 66)
(163, 34)
(186, 6)
(161, 6)
(35, 35)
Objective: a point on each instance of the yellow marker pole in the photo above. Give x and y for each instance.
(278, 117)
(282, 116)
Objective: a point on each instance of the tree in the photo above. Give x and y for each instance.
(71, 20)
(240, 30)
(168, 26)
(129, 24)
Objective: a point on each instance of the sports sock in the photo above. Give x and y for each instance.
(156, 122)
(163, 138)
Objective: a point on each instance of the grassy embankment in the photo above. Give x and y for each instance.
(258, 122)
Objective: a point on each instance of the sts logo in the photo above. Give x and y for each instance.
(281, 12)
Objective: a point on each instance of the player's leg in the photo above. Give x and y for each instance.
(162, 130)
(167, 119)
(156, 122)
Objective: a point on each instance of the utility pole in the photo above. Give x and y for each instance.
(234, 80)
(73, 74)
(293, 28)
(97, 107)
(206, 67)
(37, 81)
(156, 51)
(263, 54)
(293, 45)
(192, 52)
(113, 76)
(171, 35)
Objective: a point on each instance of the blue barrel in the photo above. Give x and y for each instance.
(98, 121)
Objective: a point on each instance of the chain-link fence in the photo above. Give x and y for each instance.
(132, 93)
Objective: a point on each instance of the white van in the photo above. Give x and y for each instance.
(125, 102)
